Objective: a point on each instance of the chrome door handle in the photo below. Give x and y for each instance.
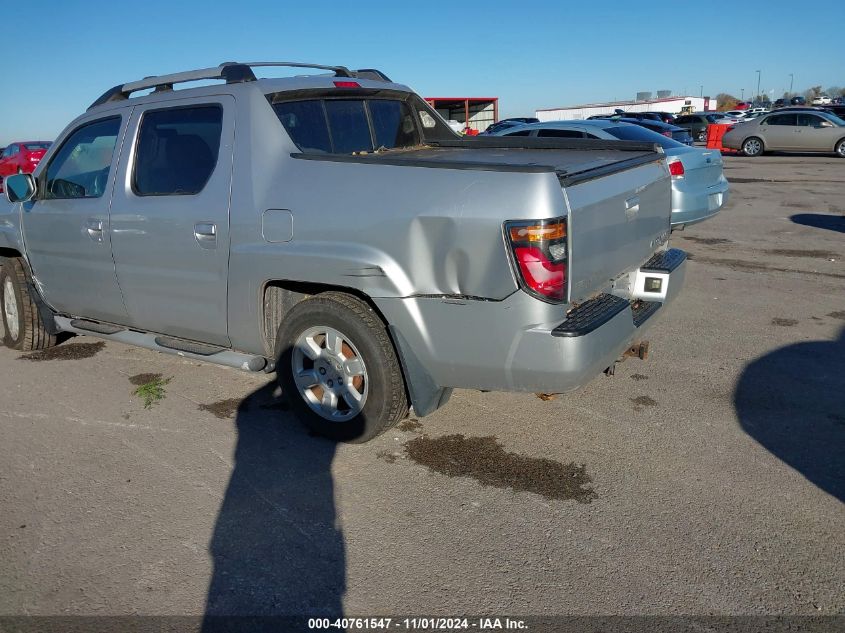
(95, 229)
(206, 234)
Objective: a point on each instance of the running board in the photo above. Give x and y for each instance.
(164, 344)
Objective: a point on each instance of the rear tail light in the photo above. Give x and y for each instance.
(669, 134)
(539, 250)
(676, 168)
(347, 84)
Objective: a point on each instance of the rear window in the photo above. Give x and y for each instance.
(560, 133)
(637, 133)
(36, 146)
(344, 126)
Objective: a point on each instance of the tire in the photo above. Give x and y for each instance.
(840, 148)
(702, 136)
(752, 146)
(22, 328)
(353, 393)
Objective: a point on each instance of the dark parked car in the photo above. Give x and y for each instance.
(696, 124)
(665, 117)
(670, 131)
(799, 101)
(779, 103)
(836, 108)
(505, 123)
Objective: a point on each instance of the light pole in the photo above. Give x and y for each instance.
(791, 77)
(701, 91)
(742, 90)
(758, 85)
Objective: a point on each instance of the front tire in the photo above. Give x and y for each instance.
(840, 148)
(752, 146)
(22, 328)
(337, 366)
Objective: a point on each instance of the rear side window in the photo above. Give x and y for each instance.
(177, 150)
(520, 133)
(781, 119)
(560, 134)
(636, 133)
(344, 126)
(80, 168)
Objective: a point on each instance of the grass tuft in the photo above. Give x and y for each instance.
(152, 391)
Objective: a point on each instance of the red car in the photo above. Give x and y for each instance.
(21, 158)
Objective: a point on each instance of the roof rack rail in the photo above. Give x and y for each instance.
(231, 72)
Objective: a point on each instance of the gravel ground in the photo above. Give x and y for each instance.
(709, 479)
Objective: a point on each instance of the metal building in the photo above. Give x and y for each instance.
(668, 104)
(475, 113)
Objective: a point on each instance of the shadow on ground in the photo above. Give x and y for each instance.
(820, 221)
(792, 401)
(276, 547)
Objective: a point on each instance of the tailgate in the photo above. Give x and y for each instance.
(616, 222)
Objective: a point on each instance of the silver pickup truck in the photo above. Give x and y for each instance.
(331, 227)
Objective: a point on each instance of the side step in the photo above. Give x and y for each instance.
(164, 344)
(94, 326)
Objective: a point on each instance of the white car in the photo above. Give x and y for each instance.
(822, 100)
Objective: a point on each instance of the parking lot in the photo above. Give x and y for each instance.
(705, 480)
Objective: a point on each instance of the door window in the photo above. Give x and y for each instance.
(177, 150)
(560, 134)
(781, 119)
(80, 168)
(809, 120)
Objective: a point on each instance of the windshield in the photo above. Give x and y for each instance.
(637, 133)
(833, 118)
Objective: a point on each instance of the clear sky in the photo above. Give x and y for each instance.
(60, 55)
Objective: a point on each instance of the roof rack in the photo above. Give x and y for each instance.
(231, 72)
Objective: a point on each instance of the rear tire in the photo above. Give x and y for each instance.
(337, 366)
(22, 328)
(702, 136)
(752, 146)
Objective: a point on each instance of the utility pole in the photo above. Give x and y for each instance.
(701, 91)
(742, 90)
(791, 77)
(758, 86)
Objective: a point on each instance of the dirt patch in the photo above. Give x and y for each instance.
(410, 425)
(708, 241)
(486, 461)
(839, 314)
(756, 267)
(390, 458)
(790, 252)
(733, 180)
(784, 322)
(638, 377)
(222, 408)
(545, 397)
(143, 379)
(643, 401)
(69, 351)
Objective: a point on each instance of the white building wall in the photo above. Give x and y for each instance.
(672, 105)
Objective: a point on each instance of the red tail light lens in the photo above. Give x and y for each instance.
(347, 84)
(676, 168)
(539, 250)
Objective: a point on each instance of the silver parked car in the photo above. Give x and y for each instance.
(789, 131)
(699, 187)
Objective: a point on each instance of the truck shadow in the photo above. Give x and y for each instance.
(792, 401)
(276, 548)
(820, 221)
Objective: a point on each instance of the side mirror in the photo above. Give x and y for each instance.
(19, 187)
(825, 124)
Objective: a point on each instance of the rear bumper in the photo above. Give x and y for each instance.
(690, 207)
(487, 345)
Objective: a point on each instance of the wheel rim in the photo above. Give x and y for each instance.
(752, 146)
(330, 373)
(840, 149)
(10, 308)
